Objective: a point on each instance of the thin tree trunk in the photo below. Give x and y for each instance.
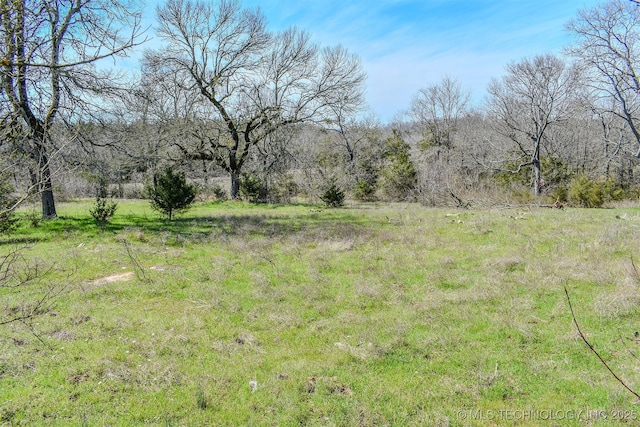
(537, 180)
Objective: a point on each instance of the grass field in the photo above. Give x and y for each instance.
(238, 314)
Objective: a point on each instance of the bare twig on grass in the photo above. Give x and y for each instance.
(29, 326)
(606, 365)
(42, 305)
(20, 275)
(16, 270)
(635, 269)
(631, 352)
(134, 261)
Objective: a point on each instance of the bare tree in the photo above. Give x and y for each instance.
(608, 42)
(354, 136)
(49, 52)
(534, 95)
(255, 81)
(437, 109)
(614, 135)
(158, 112)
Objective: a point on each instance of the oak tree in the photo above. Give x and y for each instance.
(254, 81)
(49, 72)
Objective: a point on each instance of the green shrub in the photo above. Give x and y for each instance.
(103, 210)
(252, 188)
(33, 218)
(283, 189)
(613, 190)
(170, 193)
(399, 179)
(219, 193)
(399, 175)
(590, 193)
(521, 195)
(364, 191)
(560, 193)
(333, 196)
(8, 221)
(369, 165)
(554, 170)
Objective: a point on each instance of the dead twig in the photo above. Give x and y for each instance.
(624, 344)
(133, 260)
(606, 365)
(29, 326)
(635, 269)
(558, 204)
(459, 202)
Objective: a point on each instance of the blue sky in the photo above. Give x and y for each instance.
(408, 44)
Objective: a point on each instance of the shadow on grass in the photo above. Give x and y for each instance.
(329, 223)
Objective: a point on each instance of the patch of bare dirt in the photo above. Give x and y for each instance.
(122, 277)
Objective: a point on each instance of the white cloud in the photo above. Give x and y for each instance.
(409, 44)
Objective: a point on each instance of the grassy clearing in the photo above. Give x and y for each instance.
(236, 314)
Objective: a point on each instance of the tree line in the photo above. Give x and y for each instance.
(244, 112)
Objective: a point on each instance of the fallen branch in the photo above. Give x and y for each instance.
(459, 202)
(635, 269)
(606, 365)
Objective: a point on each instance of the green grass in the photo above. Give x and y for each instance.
(237, 314)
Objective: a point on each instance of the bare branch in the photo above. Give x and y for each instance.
(606, 365)
(534, 95)
(438, 109)
(607, 44)
(253, 81)
(133, 259)
(635, 269)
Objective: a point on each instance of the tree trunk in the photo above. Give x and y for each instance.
(537, 178)
(205, 172)
(41, 181)
(48, 205)
(235, 185)
(46, 194)
(537, 175)
(43, 174)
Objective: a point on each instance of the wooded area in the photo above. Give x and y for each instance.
(248, 113)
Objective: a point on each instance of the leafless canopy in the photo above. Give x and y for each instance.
(608, 43)
(255, 81)
(533, 95)
(437, 109)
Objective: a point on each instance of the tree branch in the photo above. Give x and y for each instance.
(606, 365)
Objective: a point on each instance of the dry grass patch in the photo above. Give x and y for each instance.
(120, 277)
